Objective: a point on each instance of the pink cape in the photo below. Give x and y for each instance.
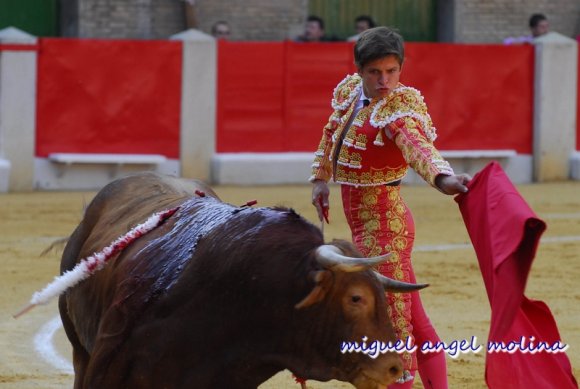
(505, 233)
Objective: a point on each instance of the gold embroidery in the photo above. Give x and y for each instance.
(372, 237)
(417, 150)
(343, 155)
(396, 225)
(350, 135)
(346, 91)
(361, 141)
(404, 111)
(355, 160)
(399, 243)
(396, 215)
(369, 178)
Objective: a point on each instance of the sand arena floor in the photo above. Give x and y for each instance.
(34, 352)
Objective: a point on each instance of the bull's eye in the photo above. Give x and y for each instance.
(355, 299)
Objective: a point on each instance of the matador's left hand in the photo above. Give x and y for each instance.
(453, 184)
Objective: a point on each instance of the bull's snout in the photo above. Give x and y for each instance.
(378, 378)
(395, 370)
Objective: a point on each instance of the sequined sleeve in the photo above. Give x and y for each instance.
(322, 165)
(417, 150)
(343, 96)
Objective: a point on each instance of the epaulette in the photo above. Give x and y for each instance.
(346, 91)
(403, 102)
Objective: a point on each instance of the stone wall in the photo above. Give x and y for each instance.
(461, 21)
(491, 21)
(261, 20)
(130, 19)
(256, 20)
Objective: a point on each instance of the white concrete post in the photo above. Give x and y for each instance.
(198, 104)
(17, 109)
(555, 90)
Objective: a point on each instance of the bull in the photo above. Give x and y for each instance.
(219, 296)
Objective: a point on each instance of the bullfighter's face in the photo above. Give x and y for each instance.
(380, 76)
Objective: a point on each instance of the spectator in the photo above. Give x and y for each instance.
(313, 30)
(361, 23)
(221, 30)
(538, 26)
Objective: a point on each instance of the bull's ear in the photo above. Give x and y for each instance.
(323, 279)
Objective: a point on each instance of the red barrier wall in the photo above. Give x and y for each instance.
(479, 96)
(272, 96)
(108, 96)
(276, 96)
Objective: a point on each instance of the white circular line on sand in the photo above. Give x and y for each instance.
(575, 215)
(45, 347)
(465, 246)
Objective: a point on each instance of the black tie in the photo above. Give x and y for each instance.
(366, 102)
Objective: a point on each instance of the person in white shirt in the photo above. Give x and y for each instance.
(538, 26)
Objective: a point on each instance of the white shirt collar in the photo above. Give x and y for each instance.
(362, 95)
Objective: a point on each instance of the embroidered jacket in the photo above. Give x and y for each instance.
(384, 138)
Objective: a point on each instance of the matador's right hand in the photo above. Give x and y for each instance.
(452, 184)
(320, 195)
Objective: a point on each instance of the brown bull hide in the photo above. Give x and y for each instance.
(207, 300)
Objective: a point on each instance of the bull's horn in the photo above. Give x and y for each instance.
(391, 285)
(331, 257)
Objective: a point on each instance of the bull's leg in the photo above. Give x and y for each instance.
(69, 259)
(110, 364)
(80, 355)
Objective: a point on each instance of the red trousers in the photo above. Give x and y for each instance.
(380, 223)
